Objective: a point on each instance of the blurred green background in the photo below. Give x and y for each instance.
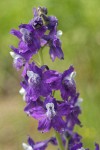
(80, 22)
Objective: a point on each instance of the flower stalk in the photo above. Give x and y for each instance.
(40, 54)
(59, 140)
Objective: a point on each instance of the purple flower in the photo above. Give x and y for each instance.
(34, 83)
(78, 146)
(63, 82)
(72, 137)
(68, 87)
(53, 78)
(38, 145)
(54, 44)
(30, 40)
(49, 113)
(26, 56)
(32, 36)
(97, 146)
(37, 21)
(16, 33)
(51, 21)
(75, 100)
(18, 60)
(74, 141)
(72, 118)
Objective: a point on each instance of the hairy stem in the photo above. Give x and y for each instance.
(41, 56)
(57, 134)
(59, 140)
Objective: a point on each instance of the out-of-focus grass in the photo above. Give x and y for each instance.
(80, 22)
(15, 126)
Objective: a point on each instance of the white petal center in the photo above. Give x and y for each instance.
(33, 77)
(81, 148)
(59, 33)
(26, 146)
(50, 110)
(25, 34)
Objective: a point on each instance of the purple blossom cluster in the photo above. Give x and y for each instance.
(39, 32)
(39, 83)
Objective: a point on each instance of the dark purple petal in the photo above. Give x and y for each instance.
(68, 72)
(44, 67)
(52, 53)
(36, 83)
(67, 90)
(74, 99)
(16, 33)
(19, 63)
(38, 70)
(24, 73)
(42, 144)
(45, 89)
(36, 22)
(77, 146)
(23, 47)
(26, 26)
(73, 137)
(30, 37)
(35, 109)
(24, 84)
(32, 105)
(58, 123)
(63, 109)
(55, 50)
(68, 87)
(47, 38)
(53, 78)
(35, 12)
(97, 146)
(33, 93)
(27, 55)
(53, 141)
(52, 22)
(41, 31)
(43, 42)
(44, 125)
(72, 118)
(37, 112)
(31, 142)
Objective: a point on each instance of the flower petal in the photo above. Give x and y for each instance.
(16, 33)
(58, 124)
(44, 124)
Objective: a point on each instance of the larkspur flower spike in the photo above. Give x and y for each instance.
(39, 83)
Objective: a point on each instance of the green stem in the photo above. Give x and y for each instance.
(59, 139)
(53, 93)
(41, 56)
(66, 147)
(57, 134)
